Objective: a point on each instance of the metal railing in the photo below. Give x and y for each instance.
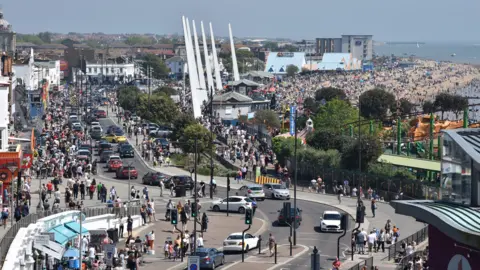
(410, 258)
(7, 239)
(396, 248)
(366, 264)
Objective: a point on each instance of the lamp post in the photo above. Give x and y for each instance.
(211, 143)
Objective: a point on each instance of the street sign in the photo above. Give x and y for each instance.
(42, 240)
(109, 251)
(193, 263)
(292, 119)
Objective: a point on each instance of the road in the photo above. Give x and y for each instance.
(307, 234)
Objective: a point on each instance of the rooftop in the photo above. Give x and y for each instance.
(231, 96)
(468, 140)
(243, 81)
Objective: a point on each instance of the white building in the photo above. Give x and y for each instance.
(177, 65)
(4, 114)
(110, 71)
(49, 71)
(360, 46)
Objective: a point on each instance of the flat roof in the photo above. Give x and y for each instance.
(409, 162)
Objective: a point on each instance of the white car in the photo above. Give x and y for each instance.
(276, 191)
(253, 192)
(234, 242)
(331, 221)
(235, 204)
(95, 124)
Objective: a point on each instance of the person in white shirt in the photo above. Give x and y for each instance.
(409, 250)
(200, 241)
(371, 238)
(162, 187)
(91, 253)
(84, 244)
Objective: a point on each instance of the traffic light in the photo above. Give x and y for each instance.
(228, 182)
(248, 216)
(287, 212)
(360, 214)
(344, 223)
(174, 216)
(194, 209)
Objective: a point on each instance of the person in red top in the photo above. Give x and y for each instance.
(49, 189)
(336, 264)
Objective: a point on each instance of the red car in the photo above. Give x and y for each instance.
(123, 172)
(101, 114)
(114, 164)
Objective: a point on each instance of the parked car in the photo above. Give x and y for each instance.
(282, 219)
(126, 150)
(180, 180)
(114, 164)
(234, 242)
(253, 191)
(210, 257)
(123, 172)
(235, 204)
(153, 178)
(105, 155)
(331, 221)
(276, 191)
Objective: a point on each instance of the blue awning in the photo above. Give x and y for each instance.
(62, 234)
(75, 226)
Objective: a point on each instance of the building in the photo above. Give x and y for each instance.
(328, 45)
(47, 70)
(243, 86)
(177, 65)
(7, 36)
(339, 61)
(260, 77)
(309, 47)
(230, 105)
(277, 62)
(452, 213)
(360, 46)
(110, 71)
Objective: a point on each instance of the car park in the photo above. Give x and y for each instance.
(253, 191)
(235, 204)
(276, 191)
(234, 242)
(153, 178)
(331, 221)
(125, 171)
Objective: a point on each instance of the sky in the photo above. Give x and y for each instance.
(386, 20)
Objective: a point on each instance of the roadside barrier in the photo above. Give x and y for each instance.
(263, 180)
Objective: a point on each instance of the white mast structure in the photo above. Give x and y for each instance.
(218, 79)
(201, 75)
(236, 76)
(192, 71)
(207, 60)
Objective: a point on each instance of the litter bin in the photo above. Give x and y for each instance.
(180, 191)
(113, 234)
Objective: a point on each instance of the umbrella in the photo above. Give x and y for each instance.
(71, 252)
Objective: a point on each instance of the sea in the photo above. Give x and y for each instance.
(467, 53)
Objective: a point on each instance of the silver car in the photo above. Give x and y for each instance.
(276, 191)
(253, 192)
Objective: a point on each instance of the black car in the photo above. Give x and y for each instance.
(104, 146)
(282, 219)
(153, 178)
(126, 150)
(180, 180)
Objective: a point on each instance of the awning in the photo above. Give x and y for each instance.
(62, 234)
(75, 226)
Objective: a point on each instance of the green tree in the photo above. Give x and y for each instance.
(335, 115)
(181, 122)
(187, 140)
(330, 93)
(311, 105)
(271, 46)
(459, 104)
(405, 108)
(68, 42)
(243, 54)
(292, 70)
(376, 103)
(289, 48)
(166, 90)
(128, 97)
(267, 118)
(29, 39)
(46, 37)
(284, 148)
(160, 108)
(444, 102)
(139, 40)
(324, 159)
(390, 171)
(429, 107)
(370, 147)
(325, 139)
(157, 66)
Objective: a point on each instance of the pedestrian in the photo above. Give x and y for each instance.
(374, 207)
(381, 241)
(120, 227)
(254, 206)
(271, 244)
(129, 225)
(162, 187)
(204, 222)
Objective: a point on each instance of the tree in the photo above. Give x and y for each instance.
(444, 102)
(187, 140)
(324, 159)
(181, 122)
(292, 70)
(376, 103)
(160, 108)
(138, 40)
(268, 118)
(284, 148)
(459, 104)
(158, 67)
(46, 37)
(289, 48)
(330, 93)
(311, 105)
(429, 107)
(271, 46)
(166, 90)
(29, 39)
(405, 107)
(335, 115)
(128, 97)
(390, 171)
(370, 147)
(68, 42)
(325, 139)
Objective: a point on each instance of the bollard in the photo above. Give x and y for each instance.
(275, 253)
(260, 244)
(315, 259)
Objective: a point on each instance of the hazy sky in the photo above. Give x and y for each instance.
(407, 20)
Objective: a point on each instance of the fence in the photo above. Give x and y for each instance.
(396, 248)
(410, 258)
(34, 217)
(367, 264)
(263, 180)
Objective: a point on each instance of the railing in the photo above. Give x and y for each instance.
(366, 264)
(34, 217)
(410, 258)
(396, 248)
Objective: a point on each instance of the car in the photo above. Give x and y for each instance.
(253, 192)
(114, 157)
(331, 221)
(83, 154)
(77, 128)
(85, 146)
(123, 172)
(234, 242)
(209, 257)
(101, 114)
(114, 164)
(163, 142)
(180, 180)
(96, 128)
(235, 204)
(159, 133)
(283, 220)
(112, 138)
(105, 155)
(153, 178)
(95, 124)
(126, 150)
(104, 146)
(96, 134)
(276, 191)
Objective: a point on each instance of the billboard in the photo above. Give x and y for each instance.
(63, 65)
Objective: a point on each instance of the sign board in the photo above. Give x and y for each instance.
(292, 119)
(53, 249)
(50, 234)
(109, 252)
(193, 263)
(42, 240)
